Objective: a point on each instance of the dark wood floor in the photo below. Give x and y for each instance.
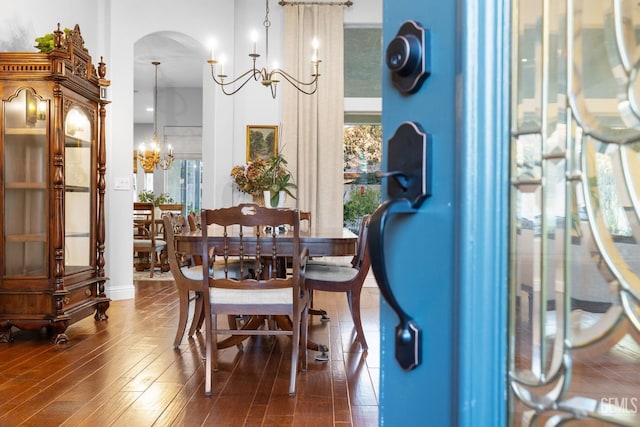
(125, 372)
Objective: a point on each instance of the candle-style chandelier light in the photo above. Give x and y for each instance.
(154, 154)
(268, 78)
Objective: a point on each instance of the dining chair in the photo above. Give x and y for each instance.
(329, 276)
(176, 208)
(165, 208)
(305, 216)
(144, 236)
(192, 219)
(188, 279)
(188, 276)
(250, 232)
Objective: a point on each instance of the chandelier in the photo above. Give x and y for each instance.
(154, 154)
(268, 78)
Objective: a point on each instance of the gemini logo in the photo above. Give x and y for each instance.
(619, 405)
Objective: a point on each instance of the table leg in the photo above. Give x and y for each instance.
(253, 323)
(284, 322)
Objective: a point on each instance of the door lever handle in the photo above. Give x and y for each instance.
(399, 176)
(408, 335)
(409, 157)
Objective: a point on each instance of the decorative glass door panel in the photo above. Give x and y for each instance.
(78, 153)
(575, 235)
(25, 185)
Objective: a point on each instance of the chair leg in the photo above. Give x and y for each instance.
(198, 314)
(304, 336)
(354, 304)
(152, 262)
(214, 338)
(208, 355)
(183, 302)
(295, 351)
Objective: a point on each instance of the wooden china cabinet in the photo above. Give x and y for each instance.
(52, 187)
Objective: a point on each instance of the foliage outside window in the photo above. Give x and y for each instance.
(362, 159)
(361, 201)
(362, 148)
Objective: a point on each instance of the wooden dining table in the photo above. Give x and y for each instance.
(321, 242)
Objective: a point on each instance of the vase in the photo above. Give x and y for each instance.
(267, 199)
(268, 202)
(259, 199)
(277, 202)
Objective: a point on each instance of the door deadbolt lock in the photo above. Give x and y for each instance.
(408, 58)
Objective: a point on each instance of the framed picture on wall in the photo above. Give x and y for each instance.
(262, 142)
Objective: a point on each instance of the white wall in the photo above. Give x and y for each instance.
(110, 28)
(19, 25)
(130, 22)
(253, 104)
(363, 12)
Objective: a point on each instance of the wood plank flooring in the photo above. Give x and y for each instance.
(125, 372)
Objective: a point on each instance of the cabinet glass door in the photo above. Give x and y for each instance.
(77, 190)
(25, 185)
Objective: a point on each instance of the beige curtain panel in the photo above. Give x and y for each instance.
(312, 126)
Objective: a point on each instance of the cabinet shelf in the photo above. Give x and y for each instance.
(25, 131)
(76, 189)
(26, 185)
(77, 235)
(31, 237)
(76, 142)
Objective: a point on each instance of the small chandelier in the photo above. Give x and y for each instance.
(268, 78)
(153, 154)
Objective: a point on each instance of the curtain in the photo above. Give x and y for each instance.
(312, 125)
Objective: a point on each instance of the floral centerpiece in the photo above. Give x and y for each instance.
(251, 178)
(259, 175)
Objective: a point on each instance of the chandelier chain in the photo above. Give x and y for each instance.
(155, 102)
(155, 154)
(266, 24)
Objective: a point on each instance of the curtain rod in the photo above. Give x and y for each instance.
(295, 3)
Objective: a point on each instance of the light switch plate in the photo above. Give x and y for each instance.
(122, 183)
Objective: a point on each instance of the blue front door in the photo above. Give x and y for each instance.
(444, 252)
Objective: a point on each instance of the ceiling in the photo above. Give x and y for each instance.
(181, 62)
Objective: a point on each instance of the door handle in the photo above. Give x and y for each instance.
(409, 156)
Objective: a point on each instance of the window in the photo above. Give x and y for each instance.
(362, 130)
(184, 179)
(184, 183)
(362, 161)
(362, 62)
